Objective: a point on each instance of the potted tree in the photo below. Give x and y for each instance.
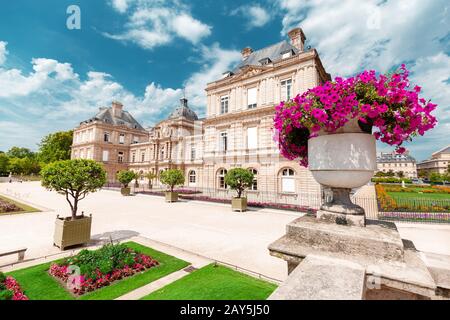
(333, 127)
(74, 179)
(239, 179)
(172, 178)
(125, 177)
(150, 176)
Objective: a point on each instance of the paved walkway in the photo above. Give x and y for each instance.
(208, 229)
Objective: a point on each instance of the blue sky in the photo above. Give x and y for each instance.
(143, 52)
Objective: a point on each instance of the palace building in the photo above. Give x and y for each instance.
(236, 132)
(399, 164)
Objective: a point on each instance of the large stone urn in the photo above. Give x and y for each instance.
(341, 161)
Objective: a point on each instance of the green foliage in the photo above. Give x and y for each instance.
(436, 177)
(6, 295)
(4, 164)
(391, 180)
(105, 259)
(150, 176)
(2, 277)
(172, 178)
(239, 179)
(17, 152)
(56, 146)
(73, 178)
(23, 166)
(126, 176)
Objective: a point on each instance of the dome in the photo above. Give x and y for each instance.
(183, 111)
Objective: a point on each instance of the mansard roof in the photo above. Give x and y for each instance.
(273, 52)
(106, 115)
(183, 111)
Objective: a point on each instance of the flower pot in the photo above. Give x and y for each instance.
(171, 196)
(239, 204)
(342, 161)
(125, 191)
(70, 232)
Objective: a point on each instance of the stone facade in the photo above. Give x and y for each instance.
(237, 130)
(438, 163)
(397, 163)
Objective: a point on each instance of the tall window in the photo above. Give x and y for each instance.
(252, 98)
(133, 157)
(223, 141)
(224, 104)
(193, 153)
(221, 178)
(135, 139)
(122, 138)
(142, 156)
(192, 177)
(162, 152)
(105, 156)
(254, 186)
(252, 138)
(106, 137)
(286, 90)
(288, 180)
(120, 157)
(88, 153)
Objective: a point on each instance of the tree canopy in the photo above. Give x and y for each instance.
(56, 146)
(172, 178)
(239, 179)
(126, 176)
(73, 178)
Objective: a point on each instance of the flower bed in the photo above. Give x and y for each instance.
(10, 289)
(92, 270)
(6, 207)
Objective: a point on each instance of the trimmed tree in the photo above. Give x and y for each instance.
(239, 179)
(150, 176)
(73, 178)
(125, 177)
(172, 178)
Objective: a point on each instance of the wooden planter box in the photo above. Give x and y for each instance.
(171, 196)
(72, 232)
(239, 204)
(125, 191)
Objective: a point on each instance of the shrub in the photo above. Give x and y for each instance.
(239, 179)
(125, 177)
(74, 178)
(2, 277)
(172, 178)
(6, 295)
(391, 180)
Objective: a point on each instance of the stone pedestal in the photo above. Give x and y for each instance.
(392, 268)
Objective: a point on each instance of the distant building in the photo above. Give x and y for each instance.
(438, 163)
(397, 163)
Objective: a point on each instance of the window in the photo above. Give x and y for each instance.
(254, 186)
(162, 152)
(252, 98)
(252, 138)
(105, 156)
(286, 90)
(135, 139)
(193, 153)
(223, 141)
(224, 104)
(221, 178)
(133, 157)
(192, 177)
(106, 137)
(120, 157)
(288, 181)
(91, 134)
(88, 153)
(122, 138)
(142, 156)
(286, 55)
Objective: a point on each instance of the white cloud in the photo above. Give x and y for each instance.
(3, 52)
(120, 5)
(153, 23)
(256, 15)
(215, 61)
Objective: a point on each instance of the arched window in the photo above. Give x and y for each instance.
(287, 180)
(221, 178)
(192, 177)
(254, 186)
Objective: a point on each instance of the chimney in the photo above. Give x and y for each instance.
(297, 38)
(117, 109)
(246, 52)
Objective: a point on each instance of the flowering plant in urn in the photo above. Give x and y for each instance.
(332, 128)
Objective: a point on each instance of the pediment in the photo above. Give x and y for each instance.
(249, 71)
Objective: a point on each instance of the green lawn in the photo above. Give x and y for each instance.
(419, 196)
(214, 283)
(25, 208)
(39, 285)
